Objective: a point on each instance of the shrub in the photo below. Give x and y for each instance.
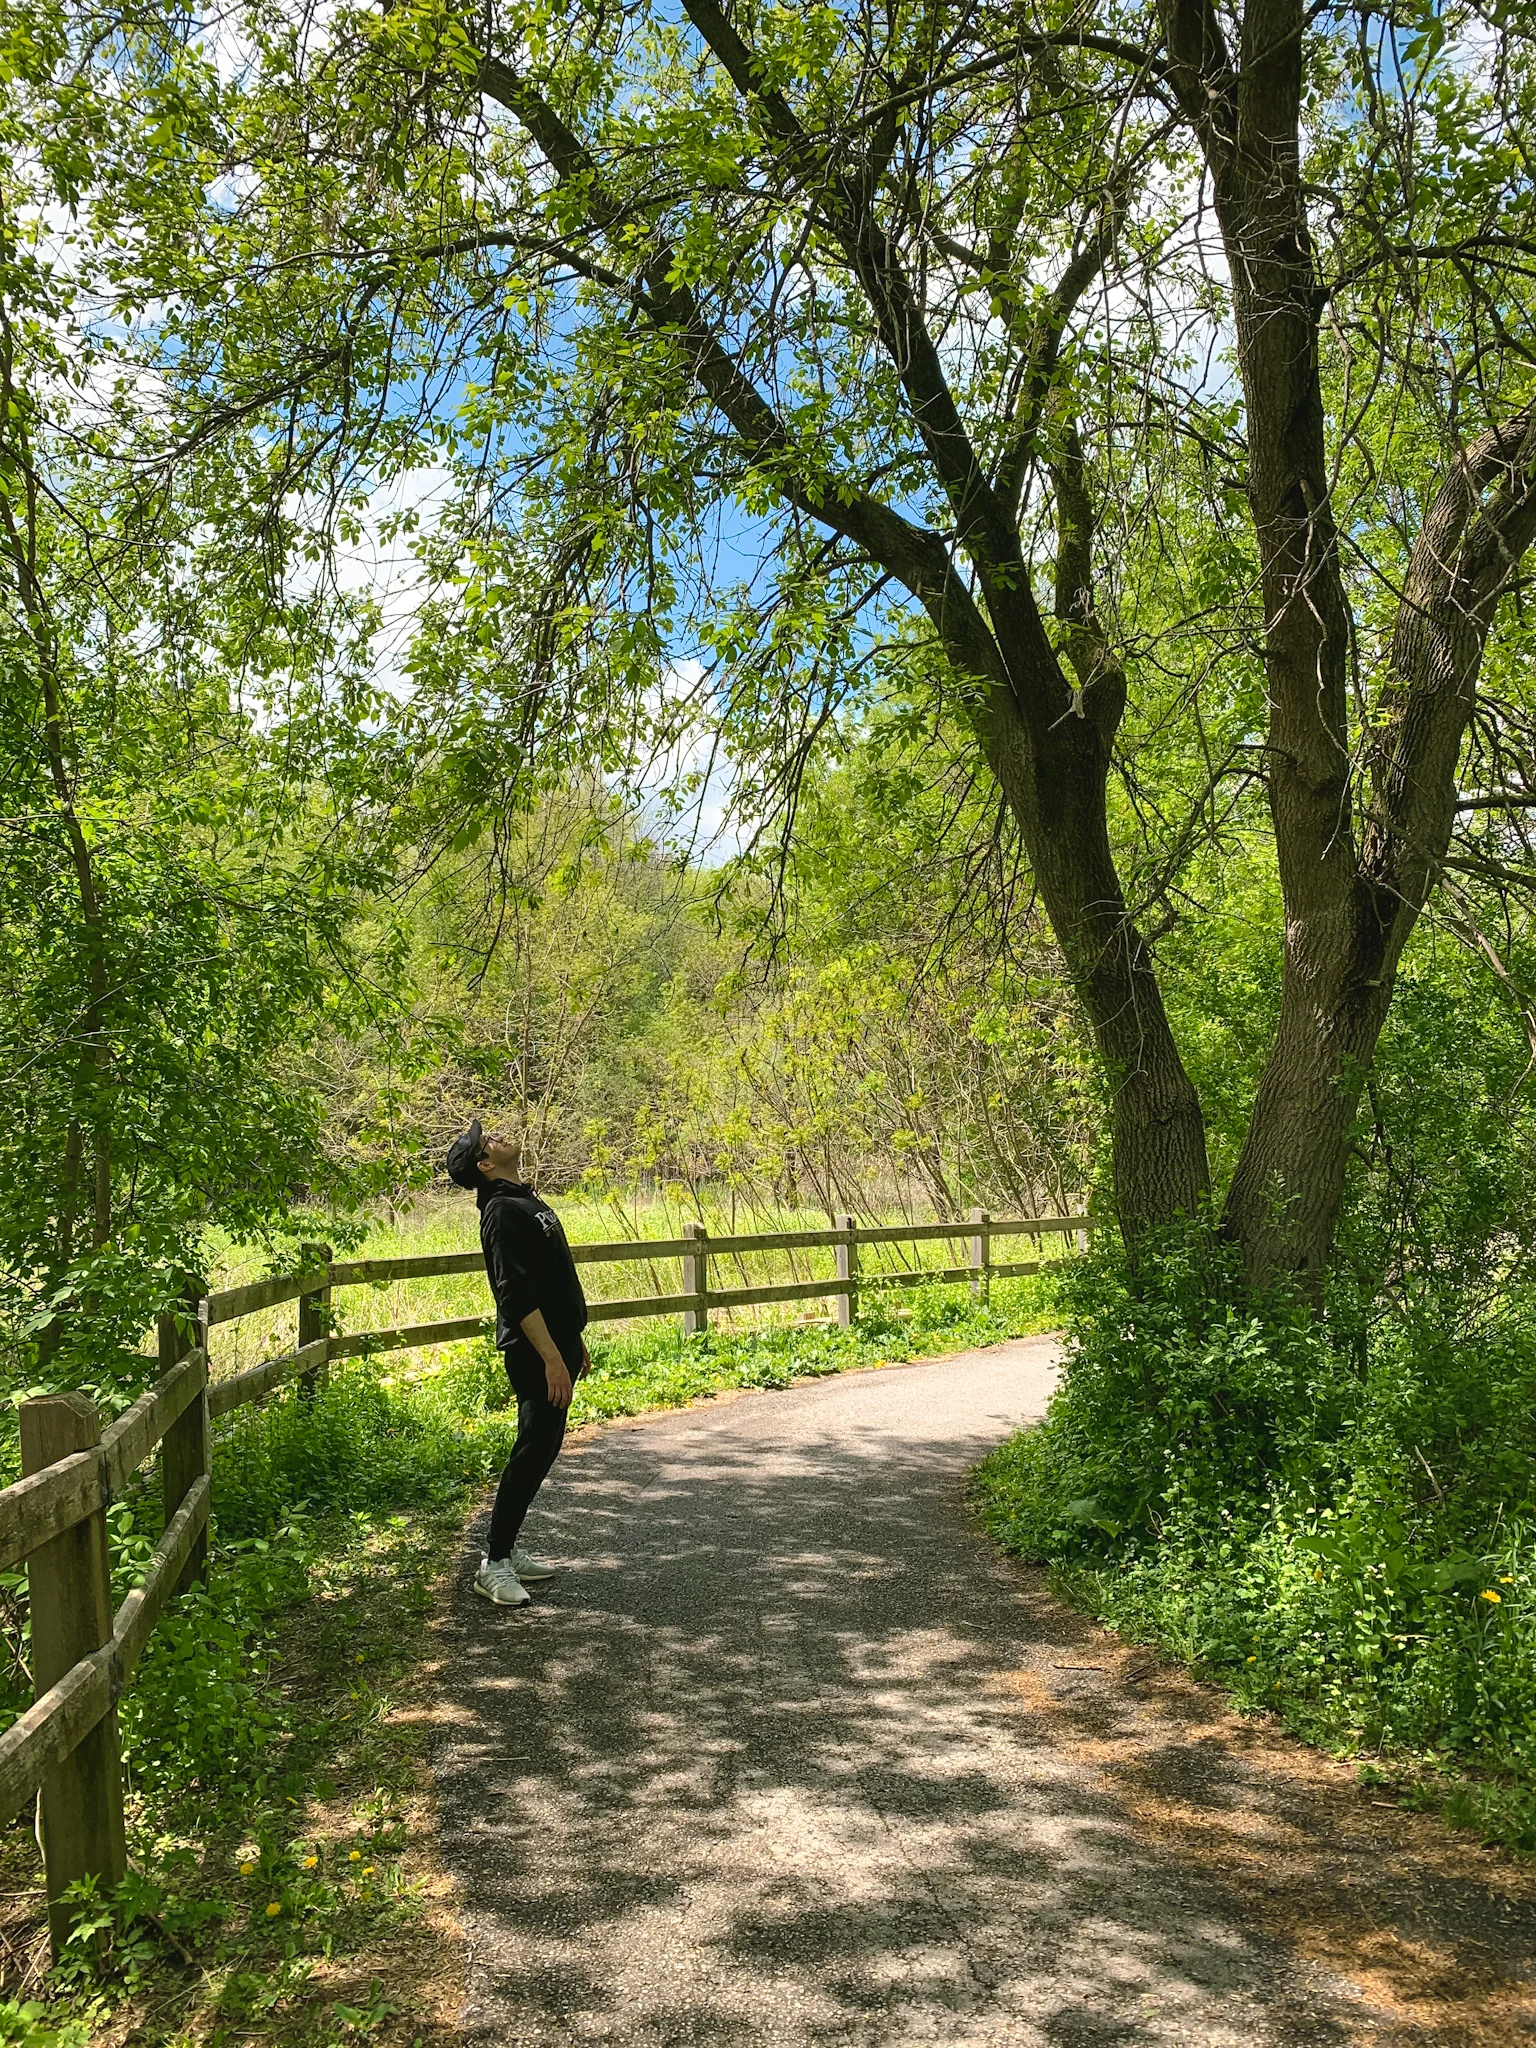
(362, 1444)
(1337, 1518)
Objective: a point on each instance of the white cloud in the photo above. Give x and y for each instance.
(687, 788)
(388, 570)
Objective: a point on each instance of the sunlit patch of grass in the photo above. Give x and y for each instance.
(450, 1223)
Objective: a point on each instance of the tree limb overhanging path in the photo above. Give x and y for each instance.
(790, 1755)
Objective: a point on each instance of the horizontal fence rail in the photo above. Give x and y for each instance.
(64, 1750)
(697, 1297)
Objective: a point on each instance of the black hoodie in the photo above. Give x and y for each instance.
(529, 1265)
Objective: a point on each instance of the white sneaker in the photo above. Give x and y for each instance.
(498, 1581)
(531, 1568)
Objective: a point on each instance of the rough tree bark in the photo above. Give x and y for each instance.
(1351, 895)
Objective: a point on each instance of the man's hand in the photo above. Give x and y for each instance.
(557, 1374)
(558, 1380)
(586, 1360)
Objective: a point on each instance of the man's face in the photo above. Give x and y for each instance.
(501, 1158)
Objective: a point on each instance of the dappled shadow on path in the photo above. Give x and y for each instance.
(790, 1756)
(1431, 1935)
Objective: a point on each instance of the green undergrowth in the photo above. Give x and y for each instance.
(1334, 1518)
(273, 1734)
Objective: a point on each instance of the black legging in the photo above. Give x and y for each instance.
(540, 1433)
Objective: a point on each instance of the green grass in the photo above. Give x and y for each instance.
(655, 1367)
(450, 1223)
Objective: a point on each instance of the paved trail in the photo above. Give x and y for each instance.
(789, 1756)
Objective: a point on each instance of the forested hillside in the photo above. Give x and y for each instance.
(867, 1041)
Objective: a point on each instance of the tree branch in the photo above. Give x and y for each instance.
(1087, 646)
(984, 524)
(1499, 800)
(914, 555)
(1138, 58)
(1200, 72)
(1041, 342)
(1480, 523)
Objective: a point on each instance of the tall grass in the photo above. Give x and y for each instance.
(451, 1224)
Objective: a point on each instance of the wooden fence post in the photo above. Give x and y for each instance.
(69, 1581)
(315, 1321)
(696, 1280)
(981, 1255)
(186, 1451)
(847, 1271)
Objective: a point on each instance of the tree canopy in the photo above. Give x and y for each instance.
(1125, 409)
(1147, 385)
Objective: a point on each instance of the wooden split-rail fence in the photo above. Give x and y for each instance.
(65, 1749)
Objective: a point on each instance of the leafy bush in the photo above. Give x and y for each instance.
(362, 1444)
(201, 1718)
(1178, 1387)
(1339, 1520)
(29, 2024)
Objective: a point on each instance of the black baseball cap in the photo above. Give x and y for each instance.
(464, 1157)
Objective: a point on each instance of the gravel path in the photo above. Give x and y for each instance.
(789, 1755)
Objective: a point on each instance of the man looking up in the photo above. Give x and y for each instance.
(540, 1315)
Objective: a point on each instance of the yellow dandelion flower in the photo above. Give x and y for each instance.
(368, 1870)
(1496, 1598)
(273, 1909)
(1253, 1660)
(354, 1855)
(359, 1658)
(246, 1869)
(1506, 1580)
(310, 1862)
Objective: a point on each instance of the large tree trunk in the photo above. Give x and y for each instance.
(1341, 945)
(1283, 1205)
(1055, 782)
(1345, 936)
(1157, 1131)
(1284, 1201)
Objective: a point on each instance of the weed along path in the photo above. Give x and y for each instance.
(790, 1756)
